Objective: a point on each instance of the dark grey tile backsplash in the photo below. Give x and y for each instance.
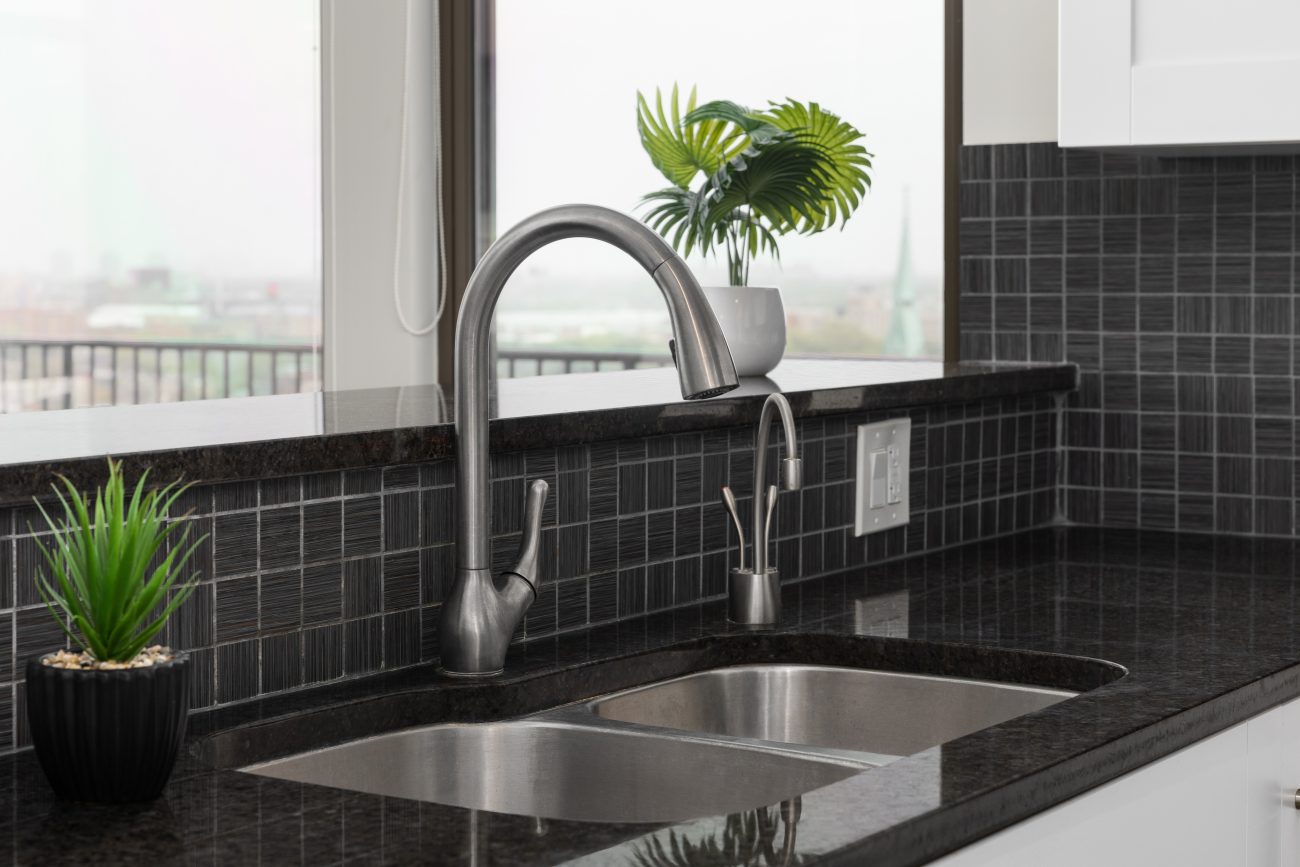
(309, 579)
(1171, 282)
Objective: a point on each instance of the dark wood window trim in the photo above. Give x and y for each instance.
(467, 28)
(952, 139)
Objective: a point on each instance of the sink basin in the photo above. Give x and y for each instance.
(562, 771)
(705, 744)
(884, 713)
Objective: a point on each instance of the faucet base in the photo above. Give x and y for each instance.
(754, 599)
(469, 675)
(478, 620)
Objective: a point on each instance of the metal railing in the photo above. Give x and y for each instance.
(62, 374)
(537, 362)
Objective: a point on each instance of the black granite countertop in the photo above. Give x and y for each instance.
(1205, 627)
(237, 438)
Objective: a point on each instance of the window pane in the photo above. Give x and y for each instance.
(159, 200)
(566, 75)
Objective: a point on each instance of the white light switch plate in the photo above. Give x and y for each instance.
(884, 459)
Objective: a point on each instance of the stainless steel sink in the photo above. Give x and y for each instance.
(706, 744)
(877, 712)
(562, 771)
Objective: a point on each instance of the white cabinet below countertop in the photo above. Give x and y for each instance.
(1226, 800)
(1179, 75)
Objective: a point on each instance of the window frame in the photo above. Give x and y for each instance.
(466, 55)
(468, 61)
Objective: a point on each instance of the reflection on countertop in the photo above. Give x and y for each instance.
(1204, 627)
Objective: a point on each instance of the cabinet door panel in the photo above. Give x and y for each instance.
(1290, 821)
(1225, 103)
(1188, 809)
(1265, 772)
(1190, 32)
(1094, 71)
(1178, 72)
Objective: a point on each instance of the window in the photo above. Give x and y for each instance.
(159, 200)
(565, 78)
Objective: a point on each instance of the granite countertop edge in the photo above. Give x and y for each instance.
(416, 443)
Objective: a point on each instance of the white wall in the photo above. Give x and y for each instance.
(361, 85)
(1009, 71)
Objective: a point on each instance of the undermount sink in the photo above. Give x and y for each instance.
(705, 744)
(561, 771)
(877, 712)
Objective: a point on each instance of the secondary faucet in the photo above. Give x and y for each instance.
(754, 595)
(481, 612)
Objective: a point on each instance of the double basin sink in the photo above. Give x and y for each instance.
(713, 742)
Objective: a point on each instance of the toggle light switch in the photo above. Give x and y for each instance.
(879, 479)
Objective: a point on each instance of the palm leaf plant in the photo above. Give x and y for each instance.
(113, 580)
(740, 178)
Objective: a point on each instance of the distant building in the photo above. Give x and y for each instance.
(151, 278)
(142, 317)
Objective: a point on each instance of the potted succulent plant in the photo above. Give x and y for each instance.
(107, 721)
(740, 180)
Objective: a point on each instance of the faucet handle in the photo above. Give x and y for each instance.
(729, 500)
(526, 566)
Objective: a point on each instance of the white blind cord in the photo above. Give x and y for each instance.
(332, 254)
(441, 281)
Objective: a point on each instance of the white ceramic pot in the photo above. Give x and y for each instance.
(753, 321)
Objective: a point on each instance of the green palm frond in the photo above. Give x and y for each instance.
(671, 214)
(783, 183)
(756, 128)
(845, 169)
(681, 150)
(794, 167)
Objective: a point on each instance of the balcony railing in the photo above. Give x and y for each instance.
(536, 362)
(61, 374)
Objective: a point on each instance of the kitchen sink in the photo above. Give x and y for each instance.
(877, 712)
(562, 771)
(714, 742)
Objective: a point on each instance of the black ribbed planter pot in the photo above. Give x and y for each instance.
(108, 736)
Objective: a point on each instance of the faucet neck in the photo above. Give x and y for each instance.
(481, 613)
(704, 362)
(774, 405)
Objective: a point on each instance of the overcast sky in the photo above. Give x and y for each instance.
(568, 72)
(187, 134)
(160, 132)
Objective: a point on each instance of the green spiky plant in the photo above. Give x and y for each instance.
(743, 178)
(109, 584)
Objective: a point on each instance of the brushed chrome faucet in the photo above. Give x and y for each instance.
(754, 595)
(481, 612)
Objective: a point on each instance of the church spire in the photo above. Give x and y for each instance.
(904, 338)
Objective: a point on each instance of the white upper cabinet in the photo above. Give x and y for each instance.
(1187, 75)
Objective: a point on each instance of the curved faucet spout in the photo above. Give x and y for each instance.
(791, 471)
(704, 367)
